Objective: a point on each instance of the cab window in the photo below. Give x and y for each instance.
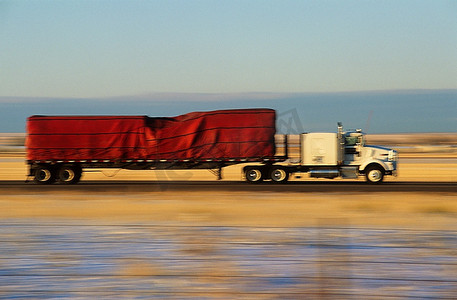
(351, 140)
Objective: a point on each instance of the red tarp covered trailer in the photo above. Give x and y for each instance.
(222, 134)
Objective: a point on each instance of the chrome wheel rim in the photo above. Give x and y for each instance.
(278, 175)
(375, 175)
(67, 175)
(254, 175)
(43, 175)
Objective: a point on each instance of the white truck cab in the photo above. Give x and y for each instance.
(346, 154)
(329, 155)
(373, 161)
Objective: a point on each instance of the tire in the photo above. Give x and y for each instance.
(374, 174)
(44, 175)
(253, 175)
(69, 174)
(279, 175)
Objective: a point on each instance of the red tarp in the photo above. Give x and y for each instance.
(222, 134)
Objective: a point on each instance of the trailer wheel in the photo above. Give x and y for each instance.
(279, 175)
(253, 175)
(374, 174)
(44, 175)
(69, 174)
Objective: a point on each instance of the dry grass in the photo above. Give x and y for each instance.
(242, 208)
(140, 267)
(427, 172)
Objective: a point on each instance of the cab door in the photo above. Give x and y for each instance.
(353, 149)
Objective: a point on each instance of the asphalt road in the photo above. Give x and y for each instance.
(8, 187)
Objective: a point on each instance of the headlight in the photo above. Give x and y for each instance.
(392, 155)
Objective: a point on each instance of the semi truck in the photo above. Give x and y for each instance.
(60, 148)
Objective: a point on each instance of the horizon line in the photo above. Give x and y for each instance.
(220, 96)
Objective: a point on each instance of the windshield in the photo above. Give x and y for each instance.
(352, 139)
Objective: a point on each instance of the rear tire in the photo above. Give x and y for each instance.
(253, 175)
(69, 174)
(279, 175)
(374, 174)
(44, 175)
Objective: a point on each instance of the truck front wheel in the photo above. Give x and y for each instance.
(253, 175)
(69, 174)
(279, 175)
(44, 175)
(374, 174)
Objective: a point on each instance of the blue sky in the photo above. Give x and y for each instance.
(87, 49)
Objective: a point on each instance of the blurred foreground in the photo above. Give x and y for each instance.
(88, 261)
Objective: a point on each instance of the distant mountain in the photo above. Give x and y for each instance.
(405, 111)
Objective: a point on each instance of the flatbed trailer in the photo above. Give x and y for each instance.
(60, 148)
(69, 172)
